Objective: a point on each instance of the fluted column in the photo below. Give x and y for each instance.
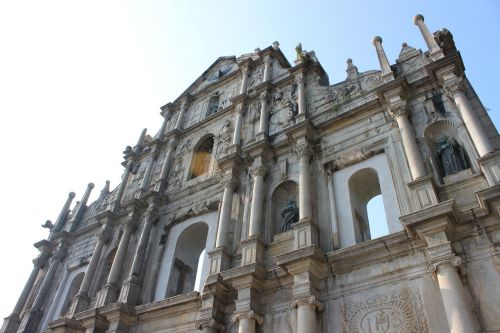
(432, 45)
(130, 289)
(263, 113)
(225, 214)
(247, 321)
(64, 213)
(244, 80)
(258, 173)
(305, 209)
(237, 126)
(306, 314)
(267, 69)
(456, 89)
(414, 157)
(301, 99)
(458, 312)
(382, 58)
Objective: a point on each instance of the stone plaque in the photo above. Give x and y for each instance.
(393, 313)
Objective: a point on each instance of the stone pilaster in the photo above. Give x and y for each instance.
(434, 49)
(131, 286)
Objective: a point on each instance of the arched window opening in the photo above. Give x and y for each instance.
(72, 291)
(186, 266)
(213, 105)
(202, 158)
(285, 210)
(377, 218)
(368, 223)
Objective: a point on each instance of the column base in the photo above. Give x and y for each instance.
(423, 192)
(219, 260)
(65, 325)
(252, 251)
(130, 291)
(79, 304)
(10, 324)
(108, 294)
(92, 322)
(490, 166)
(305, 233)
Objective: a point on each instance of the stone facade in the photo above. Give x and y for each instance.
(247, 210)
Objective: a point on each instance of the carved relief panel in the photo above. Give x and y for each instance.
(393, 313)
(283, 108)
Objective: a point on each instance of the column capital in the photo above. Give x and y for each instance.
(264, 96)
(453, 86)
(258, 170)
(200, 324)
(398, 109)
(303, 149)
(453, 260)
(247, 315)
(308, 300)
(299, 77)
(229, 182)
(105, 234)
(60, 252)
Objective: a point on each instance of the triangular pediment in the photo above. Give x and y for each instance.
(217, 71)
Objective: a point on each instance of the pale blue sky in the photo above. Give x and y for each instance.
(80, 79)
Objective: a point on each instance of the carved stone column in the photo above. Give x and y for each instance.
(382, 59)
(184, 106)
(166, 113)
(306, 313)
(166, 165)
(455, 87)
(147, 174)
(458, 312)
(399, 112)
(258, 172)
(81, 300)
(267, 69)
(130, 287)
(11, 323)
(225, 213)
(109, 291)
(123, 184)
(301, 99)
(244, 80)
(247, 321)
(333, 208)
(32, 317)
(304, 153)
(434, 49)
(263, 125)
(237, 126)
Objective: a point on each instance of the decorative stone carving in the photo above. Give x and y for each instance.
(224, 139)
(290, 215)
(455, 261)
(200, 324)
(283, 109)
(394, 313)
(451, 156)
(311, 300)
(453, 86)
(249, 315)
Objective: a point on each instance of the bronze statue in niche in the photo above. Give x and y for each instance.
(451, 156)
(290, 215)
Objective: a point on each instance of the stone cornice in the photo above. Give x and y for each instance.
(175, 304)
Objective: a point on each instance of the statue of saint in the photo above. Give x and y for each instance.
(290, 215)
(451, 156)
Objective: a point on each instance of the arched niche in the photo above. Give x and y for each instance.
(190, 244)
(202, 158)
(282, 194)
(443, 133)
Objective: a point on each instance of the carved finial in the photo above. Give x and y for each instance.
(257, 50)
(418, 17)
(352, 71)
(276, 45)
(48, 225)
(404, 44)
(376, 39)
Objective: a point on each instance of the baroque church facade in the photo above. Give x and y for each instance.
(247, 211)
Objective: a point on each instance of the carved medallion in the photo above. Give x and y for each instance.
(396, 313)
